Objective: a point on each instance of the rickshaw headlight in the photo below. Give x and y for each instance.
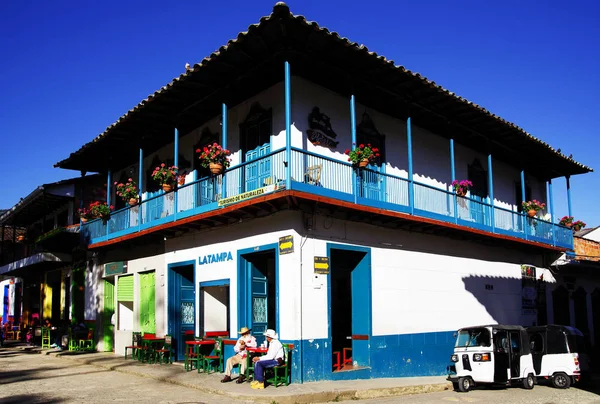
(454, 358)
(481, 357)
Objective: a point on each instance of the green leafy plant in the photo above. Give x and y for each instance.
(165, 175)
(362, 152)
(127, 190)
(215, 154)
(533, 205)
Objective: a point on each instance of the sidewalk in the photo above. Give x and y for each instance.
(314, 392)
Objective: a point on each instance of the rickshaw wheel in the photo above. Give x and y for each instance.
(561, 380)
(528, 382)
(464, 384)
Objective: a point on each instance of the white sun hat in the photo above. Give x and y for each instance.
(270, 333)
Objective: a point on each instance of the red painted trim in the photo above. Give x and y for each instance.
(229, 341)
(216, 334)
(322, 199)
(360, 337)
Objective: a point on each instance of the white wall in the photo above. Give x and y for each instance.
(593, 235)
(215, 308)
(431, 153)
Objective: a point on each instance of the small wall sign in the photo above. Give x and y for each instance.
(286, 245)
(115, 268)
(322, 265)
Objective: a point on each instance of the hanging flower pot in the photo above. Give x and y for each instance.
(460, 192)
(167, 187)
(569, 225)
(531, 212)
(215, 168)
(363, 163)
(132, 201)
(20, 237)
(83, 219)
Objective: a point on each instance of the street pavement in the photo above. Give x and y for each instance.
(541, 394)
(29, 378)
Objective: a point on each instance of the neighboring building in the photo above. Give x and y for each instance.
(576, 294)
(382, 263)
(41, 258)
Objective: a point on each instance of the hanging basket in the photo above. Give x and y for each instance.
(132, 201)
(215, 168)
(363, 163)
(531, 212)
(569, 224)
(83, 219)
(167, 187)
(461, 192)
(20, 237)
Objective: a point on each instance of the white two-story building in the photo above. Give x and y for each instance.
(378, 265)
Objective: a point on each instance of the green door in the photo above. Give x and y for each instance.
(109, 310)
(147, 303)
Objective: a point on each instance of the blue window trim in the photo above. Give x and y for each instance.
(246, 305)
(218, 282)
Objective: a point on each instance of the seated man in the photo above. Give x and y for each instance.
(274, 357)
(246, 340)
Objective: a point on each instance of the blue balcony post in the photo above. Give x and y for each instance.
(568, 177)
(224, 143)
(140, 185)
(108, 190)
(551, 203)
(491, 192)
(523, 196)
(288, 126)
(453, 172)
(176, 164)
(411, 190)
(353, 137)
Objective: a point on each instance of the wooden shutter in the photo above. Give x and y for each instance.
(125, 288)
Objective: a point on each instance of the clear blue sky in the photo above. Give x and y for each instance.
(70, 68)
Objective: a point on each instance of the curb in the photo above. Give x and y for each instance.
(302, 398)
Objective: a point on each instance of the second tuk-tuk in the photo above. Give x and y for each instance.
(559, 354)
(491, 354)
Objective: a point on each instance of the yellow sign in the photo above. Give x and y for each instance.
(249, 195)
(322, 265)
(286, 245)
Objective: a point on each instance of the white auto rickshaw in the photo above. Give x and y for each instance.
(559, 354)
(491, 354)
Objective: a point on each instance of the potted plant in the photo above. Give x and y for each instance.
(101, 210)
(532, 207)
(566, 221)
(165, 176)
(461, 188)
(85, 214)
(363, 155)
(214, 157)
(128, 191)
(181, 178)
(578, 225)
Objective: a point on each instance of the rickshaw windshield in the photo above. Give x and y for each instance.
(473, 337)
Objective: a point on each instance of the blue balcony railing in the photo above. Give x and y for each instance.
(316, 174)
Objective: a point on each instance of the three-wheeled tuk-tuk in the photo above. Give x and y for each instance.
(491, 354)
(559, 354)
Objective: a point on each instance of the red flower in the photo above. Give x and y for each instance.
(347, 151)
(362, 146)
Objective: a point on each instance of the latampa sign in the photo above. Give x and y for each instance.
(214, 258)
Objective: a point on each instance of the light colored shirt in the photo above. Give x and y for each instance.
(275, 351)
(250, 343)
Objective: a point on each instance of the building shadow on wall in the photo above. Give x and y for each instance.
(509, 300)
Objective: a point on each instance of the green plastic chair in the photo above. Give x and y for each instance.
(165, 354)
(73, 344)
(87, 344)
(45, 337)
(216, 355)
(281, 373)
(136, 338)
